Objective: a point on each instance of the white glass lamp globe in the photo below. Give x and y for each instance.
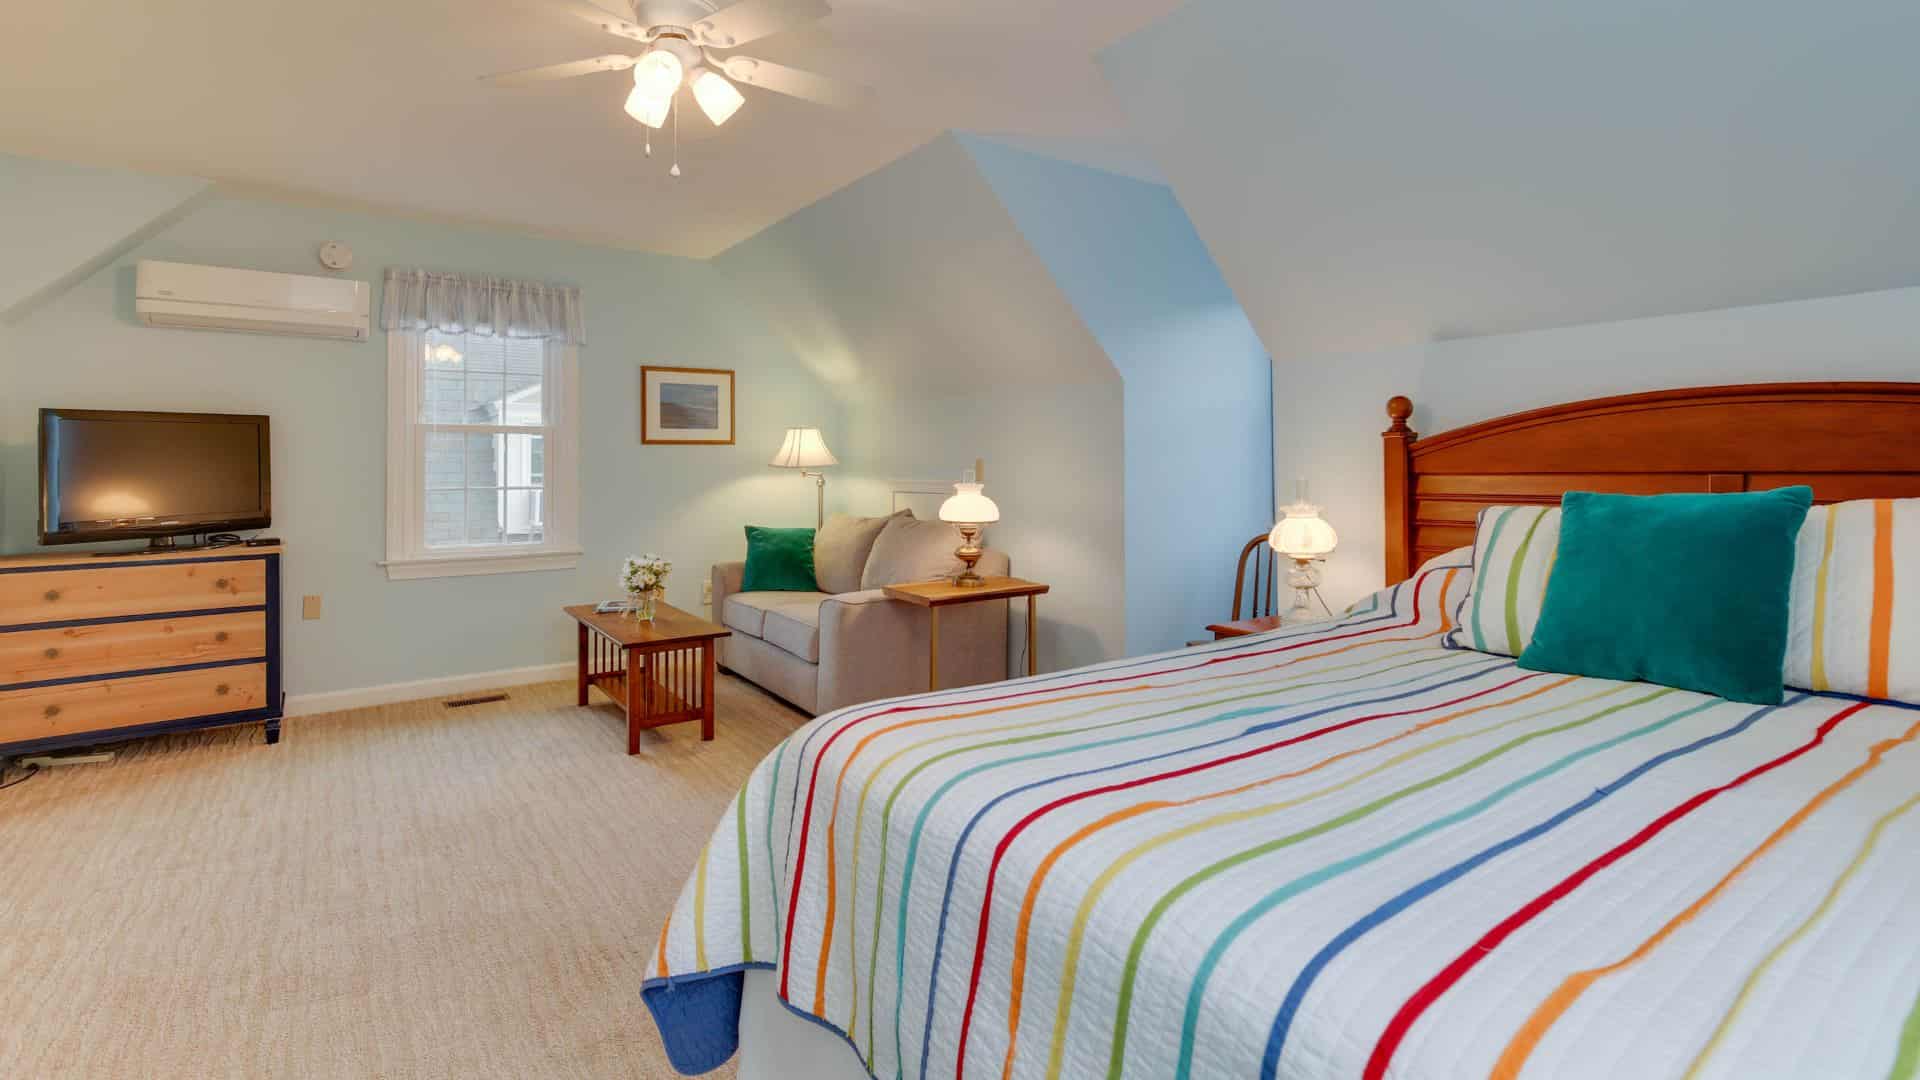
(968, 506)
(717, 97)
(656, 78)
(1303, 534)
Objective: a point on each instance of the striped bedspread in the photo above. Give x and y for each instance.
(1342, 850)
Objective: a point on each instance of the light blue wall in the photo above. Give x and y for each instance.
(60, 222)
(1198, 411)
(327, 401)
(913, 293)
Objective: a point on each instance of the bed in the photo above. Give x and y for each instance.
(1346, 849)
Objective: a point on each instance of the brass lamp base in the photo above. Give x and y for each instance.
(969, 552)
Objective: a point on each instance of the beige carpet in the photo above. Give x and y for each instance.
(407, 891)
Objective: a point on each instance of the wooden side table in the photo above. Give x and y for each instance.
(1243, 627)
(934, 595)
(659, 672)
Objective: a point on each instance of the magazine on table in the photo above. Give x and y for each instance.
(614, 607)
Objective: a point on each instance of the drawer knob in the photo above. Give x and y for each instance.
(50, 711)
(51, 653)
(220, 583)
(222, 689)
(53, 595)
(221, 636)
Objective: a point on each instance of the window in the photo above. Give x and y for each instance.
(481, 451)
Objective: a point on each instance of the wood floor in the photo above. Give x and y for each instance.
(403, 891)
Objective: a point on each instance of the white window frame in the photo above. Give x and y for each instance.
(408, 556)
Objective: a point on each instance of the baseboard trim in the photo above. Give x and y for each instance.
(390, 693)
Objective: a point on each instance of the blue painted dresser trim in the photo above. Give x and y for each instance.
(63, 624)
(108, 562)
(71, 680)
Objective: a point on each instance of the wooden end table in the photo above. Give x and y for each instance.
(934, 595)
(659, 672)
(1243, 627)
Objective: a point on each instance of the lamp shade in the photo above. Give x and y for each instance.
(718, 98)
(651, 111)
(1303, 533)
(967, 506)
(658, 74)
(655, 80)
(803, 448)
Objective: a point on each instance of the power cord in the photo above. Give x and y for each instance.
(32, 771)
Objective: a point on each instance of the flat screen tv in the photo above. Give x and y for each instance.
(125, 475)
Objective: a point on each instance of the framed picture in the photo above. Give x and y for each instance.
(686, 406)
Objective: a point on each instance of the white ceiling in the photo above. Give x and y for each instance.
(1370, 175)
(375, 103)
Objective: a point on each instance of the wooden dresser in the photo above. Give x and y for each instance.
(95, 648)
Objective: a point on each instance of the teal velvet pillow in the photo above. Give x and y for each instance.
(778, 560)
(1688, 591)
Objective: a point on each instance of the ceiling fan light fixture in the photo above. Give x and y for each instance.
(717, 97)
(650, 111)
(658, 75)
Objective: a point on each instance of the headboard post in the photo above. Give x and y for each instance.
(1397, 442)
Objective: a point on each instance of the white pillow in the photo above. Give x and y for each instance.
(1853, 622)
(1513, 552)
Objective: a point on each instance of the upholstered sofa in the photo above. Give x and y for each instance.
(848, 643)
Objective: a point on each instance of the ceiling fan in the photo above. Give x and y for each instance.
(687, 40)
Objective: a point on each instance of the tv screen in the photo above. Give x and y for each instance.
(113, 475)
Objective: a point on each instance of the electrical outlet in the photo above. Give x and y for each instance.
(706, 590)
(310, 607)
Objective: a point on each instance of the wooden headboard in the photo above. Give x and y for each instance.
(1848, 440)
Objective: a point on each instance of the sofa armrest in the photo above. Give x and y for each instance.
(727, 577)
(873, 647)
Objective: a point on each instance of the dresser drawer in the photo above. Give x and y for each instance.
(53, 711)
(103, 648)
(108, 591)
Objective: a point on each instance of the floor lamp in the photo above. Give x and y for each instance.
(806, 450)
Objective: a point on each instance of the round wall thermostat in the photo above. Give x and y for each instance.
(335, 255)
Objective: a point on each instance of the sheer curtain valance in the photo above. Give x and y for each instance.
(420, 300)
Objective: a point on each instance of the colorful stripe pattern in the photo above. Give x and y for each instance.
(1340, 850)
(1855, 621)
(1513, 552)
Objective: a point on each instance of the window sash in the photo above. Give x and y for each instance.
(553, 502)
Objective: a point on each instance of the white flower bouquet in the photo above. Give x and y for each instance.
(644, 577)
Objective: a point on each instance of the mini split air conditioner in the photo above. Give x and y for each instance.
(250, 301)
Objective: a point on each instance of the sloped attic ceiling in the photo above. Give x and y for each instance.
(1388, 173)
(916, 278)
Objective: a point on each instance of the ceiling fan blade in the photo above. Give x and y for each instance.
(750, 20)
(618, 25)
(794, 82)
(568, 70)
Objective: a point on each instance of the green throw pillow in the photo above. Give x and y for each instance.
(1688, 591)
(778, 560)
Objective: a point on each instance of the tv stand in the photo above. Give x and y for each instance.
(97, 649)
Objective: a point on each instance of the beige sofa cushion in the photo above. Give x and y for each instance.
(788, 620)
(911, 550)
(841, 547)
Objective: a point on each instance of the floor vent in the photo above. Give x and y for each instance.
(483, 699)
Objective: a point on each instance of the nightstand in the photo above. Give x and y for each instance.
(1243, 627)
(934, 595)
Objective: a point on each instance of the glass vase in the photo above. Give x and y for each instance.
(645, 604)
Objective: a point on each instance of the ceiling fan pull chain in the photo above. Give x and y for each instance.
(675, 171)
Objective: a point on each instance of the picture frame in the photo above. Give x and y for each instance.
(686, 406)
